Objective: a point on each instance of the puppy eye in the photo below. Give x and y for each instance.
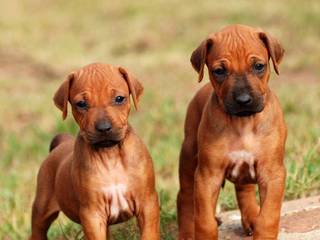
(219, 72)
(258, 67)
(82, 105)
(119, 100)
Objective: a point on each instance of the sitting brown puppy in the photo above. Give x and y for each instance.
(105, 175)
(234, 130)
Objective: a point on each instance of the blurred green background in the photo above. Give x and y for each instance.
(42, 41)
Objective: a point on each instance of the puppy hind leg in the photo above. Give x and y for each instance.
(185, 199)
(42, 217)
(45, 208)
(185, 204)
(185, 214)
(248, 205)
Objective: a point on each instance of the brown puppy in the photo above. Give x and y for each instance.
(234, 130)
(105, 175)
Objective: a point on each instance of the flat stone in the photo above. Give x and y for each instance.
(300, 220)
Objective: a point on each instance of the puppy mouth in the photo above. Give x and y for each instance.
(244, 112)
(105, 143)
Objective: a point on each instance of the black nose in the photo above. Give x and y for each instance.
(243, 99)
(103, 126)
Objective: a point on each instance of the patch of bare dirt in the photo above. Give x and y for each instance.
(19, 64)
(301, 222)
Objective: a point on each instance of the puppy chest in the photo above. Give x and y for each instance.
(241, 167)
(119, 203)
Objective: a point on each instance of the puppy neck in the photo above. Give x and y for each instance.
(86, 154)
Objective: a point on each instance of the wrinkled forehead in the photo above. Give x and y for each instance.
(239, 42)
(97, 78)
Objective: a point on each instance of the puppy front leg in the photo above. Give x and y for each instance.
(271, 195)
(148, 218)
(206, 192)
(94, 225)
(249, 208)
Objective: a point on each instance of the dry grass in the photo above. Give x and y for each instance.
(41, 41)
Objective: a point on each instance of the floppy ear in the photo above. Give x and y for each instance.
(198, 57)
(275, 50)
(61, 96)
(135, 87)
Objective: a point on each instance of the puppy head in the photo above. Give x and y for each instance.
(99, 97)
(237, 59)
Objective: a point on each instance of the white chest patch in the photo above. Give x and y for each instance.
(118, 204)
(238, 159)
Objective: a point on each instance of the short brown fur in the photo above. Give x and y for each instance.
(231, 137)
(97, 178)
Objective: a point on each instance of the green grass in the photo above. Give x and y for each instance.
(41, 42)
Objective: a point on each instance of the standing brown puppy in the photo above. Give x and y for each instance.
(105, 175)
(234, 130)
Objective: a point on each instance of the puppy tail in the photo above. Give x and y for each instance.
(58, 139)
